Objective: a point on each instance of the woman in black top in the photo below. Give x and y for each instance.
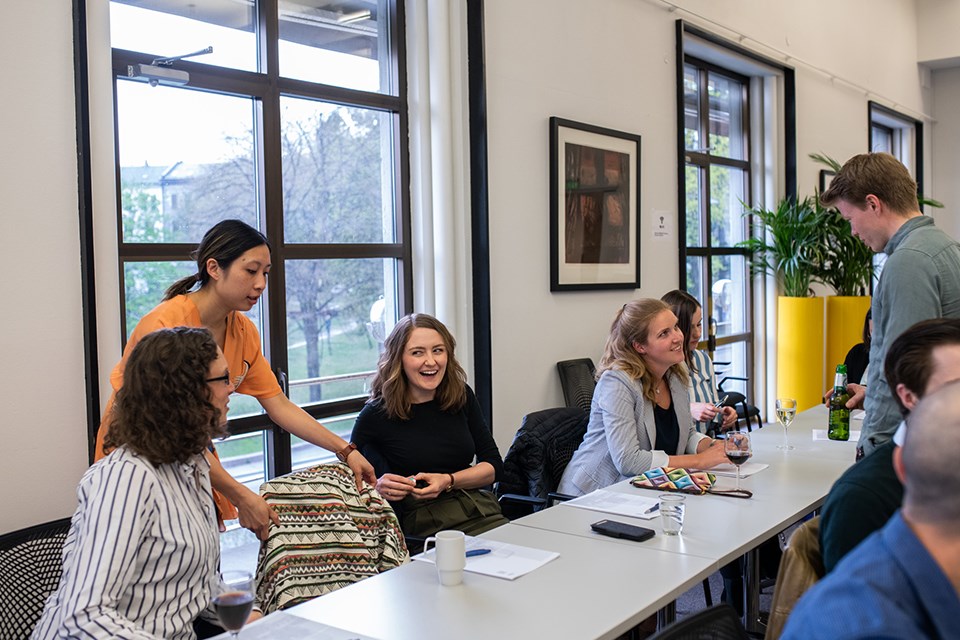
(422, 429)
(859, 355)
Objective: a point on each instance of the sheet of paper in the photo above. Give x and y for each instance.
(509, 561)
(857, 414)
(621, 504)
(747, 469)
(286, 625)
(821, 434)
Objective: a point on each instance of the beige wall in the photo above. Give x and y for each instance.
(605, 62)
(612, 63)
(41, 335)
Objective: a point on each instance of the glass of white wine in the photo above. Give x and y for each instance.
(786, 410)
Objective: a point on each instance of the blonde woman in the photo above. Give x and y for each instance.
(640, 415)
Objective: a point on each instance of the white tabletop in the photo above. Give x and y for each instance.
(590, 591)
(599, 587)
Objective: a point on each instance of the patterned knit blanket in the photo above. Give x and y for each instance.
(330, 535)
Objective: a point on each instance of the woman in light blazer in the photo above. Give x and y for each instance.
(640, 414)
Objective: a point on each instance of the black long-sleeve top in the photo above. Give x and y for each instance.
(431, 441)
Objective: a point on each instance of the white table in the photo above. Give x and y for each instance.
(599, 587)
(591, 591)
(722, 528)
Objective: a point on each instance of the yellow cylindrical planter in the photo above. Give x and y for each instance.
(800, 350)
(844, 328)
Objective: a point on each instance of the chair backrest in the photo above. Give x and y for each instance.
(30, 566)
(577, 381)
(719, 622)
(330, 535)
(541, 451)
(801, 566)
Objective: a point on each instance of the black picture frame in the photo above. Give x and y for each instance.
(826, 175)
(594, 207)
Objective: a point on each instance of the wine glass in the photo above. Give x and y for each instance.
(737, 448)
(234, 600)
(786, 410)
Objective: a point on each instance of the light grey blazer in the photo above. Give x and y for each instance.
(620, 436)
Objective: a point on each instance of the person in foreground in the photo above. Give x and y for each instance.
(920, 280)
(924, 358)
(233, 261)
(142, 552)
(422, 429)
(703, 380)
(640, 414)
(904, 580)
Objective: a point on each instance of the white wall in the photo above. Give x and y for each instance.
(605, 62)
(44, 448)
(612, 63)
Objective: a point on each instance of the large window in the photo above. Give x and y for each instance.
(717, 183)
(296, 124)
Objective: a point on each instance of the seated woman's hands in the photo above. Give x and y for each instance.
(703, 411)
(710, 453)
(729, 417)
(394, 487)
(437, 483)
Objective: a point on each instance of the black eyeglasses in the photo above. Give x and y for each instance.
(225, 378)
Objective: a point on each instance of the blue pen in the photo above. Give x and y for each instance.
(653, 508)
(477, 552)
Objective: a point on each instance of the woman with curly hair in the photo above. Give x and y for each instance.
(422, 429)
(640, 414)
(142, 552)
(233, 261)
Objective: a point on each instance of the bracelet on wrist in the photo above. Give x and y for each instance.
(453, 481)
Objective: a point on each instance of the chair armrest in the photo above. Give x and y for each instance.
(553, 497)
(516, 498)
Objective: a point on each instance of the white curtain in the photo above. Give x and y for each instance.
(439, 166)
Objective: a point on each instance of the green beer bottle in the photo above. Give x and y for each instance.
(839, 414)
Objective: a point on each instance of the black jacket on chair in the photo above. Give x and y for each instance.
(541, 450)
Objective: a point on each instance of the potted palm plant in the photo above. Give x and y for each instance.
(787, 244)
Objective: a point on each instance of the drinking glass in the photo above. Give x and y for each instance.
(737, 448)
(786, 410)
(234, 600)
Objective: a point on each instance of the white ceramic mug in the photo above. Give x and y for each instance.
(450, 555)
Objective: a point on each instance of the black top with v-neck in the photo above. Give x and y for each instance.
(668, 429)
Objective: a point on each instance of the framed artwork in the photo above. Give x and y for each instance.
(826, 177)
(594, 205)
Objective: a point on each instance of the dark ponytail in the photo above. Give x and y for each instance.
(224, 242)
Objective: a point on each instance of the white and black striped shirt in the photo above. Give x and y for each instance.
(142, 553)
(703, 383)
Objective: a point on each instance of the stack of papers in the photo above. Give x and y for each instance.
(621, 504)
(821, 434)
(728, 470)
(509, 561)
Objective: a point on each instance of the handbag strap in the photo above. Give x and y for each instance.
(732, 493)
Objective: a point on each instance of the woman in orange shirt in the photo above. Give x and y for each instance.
(233, 260)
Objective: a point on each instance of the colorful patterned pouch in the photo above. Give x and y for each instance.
(684, 481)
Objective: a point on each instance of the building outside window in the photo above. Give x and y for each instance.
(296, 124)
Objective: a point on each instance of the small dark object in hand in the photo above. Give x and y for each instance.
(422, 484)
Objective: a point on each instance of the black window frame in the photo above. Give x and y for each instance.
(268, 87)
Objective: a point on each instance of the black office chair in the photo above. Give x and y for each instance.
(535, 462)
(735, 399)
(30, 568)
(577, 381)
(719, 622)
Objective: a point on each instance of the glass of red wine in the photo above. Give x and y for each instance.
(737, 448)
(234, 600)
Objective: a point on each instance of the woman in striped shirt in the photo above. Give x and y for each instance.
(703, 380)
(141, 557)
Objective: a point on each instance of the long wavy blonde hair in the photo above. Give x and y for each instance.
(632, 325)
